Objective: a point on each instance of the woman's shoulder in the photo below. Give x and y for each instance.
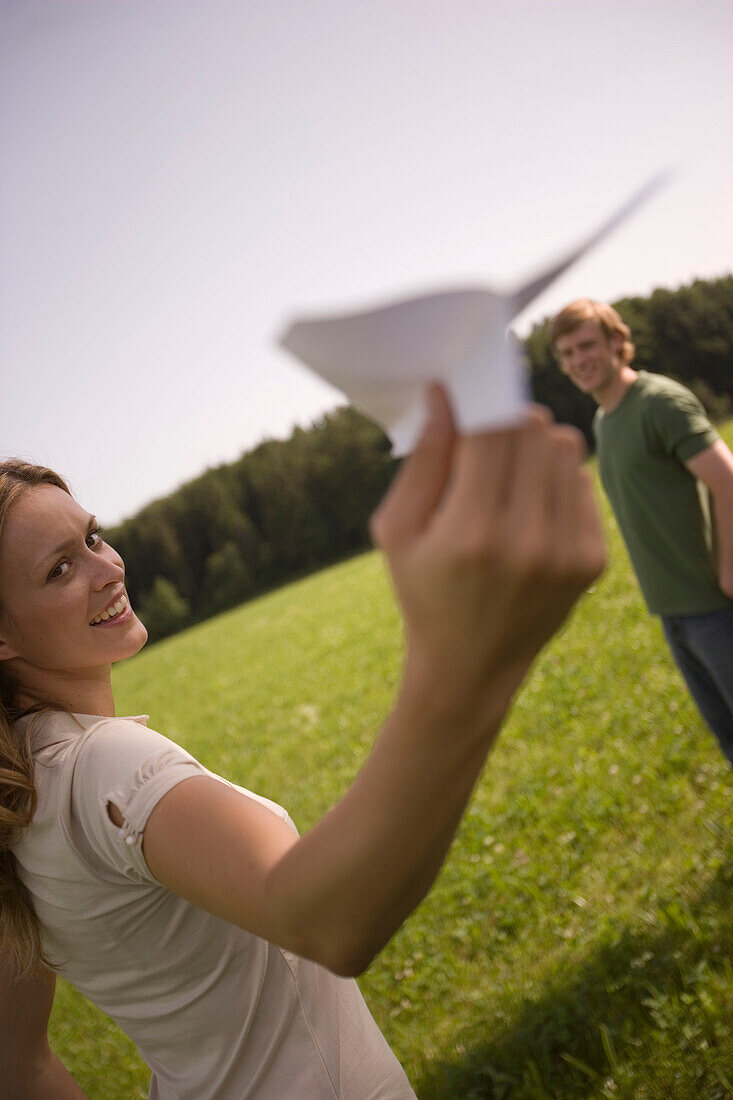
(85, 763)
(124, 746)
(56, 726)
(84, 749)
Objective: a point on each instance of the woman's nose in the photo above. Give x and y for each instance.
(108, 569)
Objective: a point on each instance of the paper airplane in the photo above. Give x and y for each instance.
(382, 359)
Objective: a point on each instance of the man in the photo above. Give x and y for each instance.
(663, 465)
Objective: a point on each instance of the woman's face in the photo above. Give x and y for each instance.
(57, 579)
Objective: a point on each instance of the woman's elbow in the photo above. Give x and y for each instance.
(350, 965)
(344, 956)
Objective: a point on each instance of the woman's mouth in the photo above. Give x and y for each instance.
(117, 612)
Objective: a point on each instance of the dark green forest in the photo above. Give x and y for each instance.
(284, 509)
(289, 507)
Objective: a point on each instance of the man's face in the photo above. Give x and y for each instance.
(590, 359)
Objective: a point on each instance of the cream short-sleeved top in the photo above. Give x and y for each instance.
(217, 1013)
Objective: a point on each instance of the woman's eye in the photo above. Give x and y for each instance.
(93, 540)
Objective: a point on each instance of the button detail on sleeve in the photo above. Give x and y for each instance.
(128, 834)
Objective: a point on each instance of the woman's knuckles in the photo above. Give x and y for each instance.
(392, 527)
(595, 558)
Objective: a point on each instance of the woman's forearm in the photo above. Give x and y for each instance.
(484, 582)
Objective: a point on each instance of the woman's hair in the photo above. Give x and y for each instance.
(585, 309)
(20, 938)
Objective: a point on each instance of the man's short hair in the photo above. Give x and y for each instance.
(585, 309)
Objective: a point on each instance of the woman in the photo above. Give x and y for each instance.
(188, 909)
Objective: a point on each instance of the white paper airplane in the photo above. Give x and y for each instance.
(382, 359)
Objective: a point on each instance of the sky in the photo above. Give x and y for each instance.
(179, 178)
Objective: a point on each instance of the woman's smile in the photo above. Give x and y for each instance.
(117, 612)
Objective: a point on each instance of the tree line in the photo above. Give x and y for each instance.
(289, 507)
(284, 509)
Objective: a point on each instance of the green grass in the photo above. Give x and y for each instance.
(578, 942)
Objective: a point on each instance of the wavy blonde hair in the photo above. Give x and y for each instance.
(20, 934)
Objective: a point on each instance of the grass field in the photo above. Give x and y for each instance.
(579, 940)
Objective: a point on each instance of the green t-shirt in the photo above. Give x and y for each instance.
(663, 512)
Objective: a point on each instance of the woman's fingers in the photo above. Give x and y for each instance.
(527, 491)
(417, 490)
(490, 538)
(517, 495)
(520, 493)
(499, 477)
(592, 539)
(568, 451)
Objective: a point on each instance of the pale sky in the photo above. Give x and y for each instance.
(180, 177)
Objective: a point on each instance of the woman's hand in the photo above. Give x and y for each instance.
(490, 539)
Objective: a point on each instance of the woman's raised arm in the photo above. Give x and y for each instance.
(490, 539)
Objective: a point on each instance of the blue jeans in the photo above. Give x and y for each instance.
(702, 646)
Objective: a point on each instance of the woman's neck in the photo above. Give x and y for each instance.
(89, 692)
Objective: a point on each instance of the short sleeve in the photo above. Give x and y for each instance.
(122, 762)
(682, 424)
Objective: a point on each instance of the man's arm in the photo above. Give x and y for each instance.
(714, 467)
(30, 1070)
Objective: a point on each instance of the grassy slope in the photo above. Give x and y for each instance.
(578, 941)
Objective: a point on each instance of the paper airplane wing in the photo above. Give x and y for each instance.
(534, 287)
(382, 359)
